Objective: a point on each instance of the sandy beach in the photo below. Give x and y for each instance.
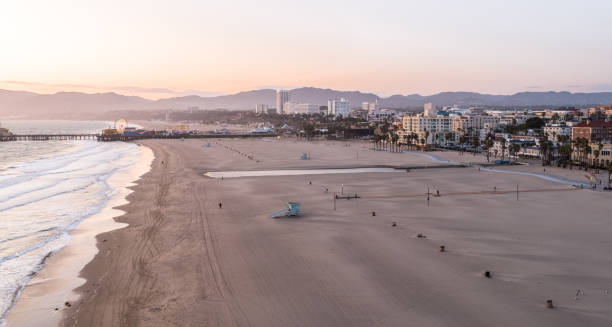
(183, 261)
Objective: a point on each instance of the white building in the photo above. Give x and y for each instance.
(430, 126)
(430, 110)
(294, 107)
(339, 107)
(554, 130)
(381, 115)
(261, 108)
(282, 97)
(474, 124)
(370, 107)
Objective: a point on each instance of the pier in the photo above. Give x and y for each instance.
(48, 137)
(119, 137)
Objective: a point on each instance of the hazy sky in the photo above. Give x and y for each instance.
(167, 48)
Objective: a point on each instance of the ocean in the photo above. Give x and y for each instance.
(46, 189)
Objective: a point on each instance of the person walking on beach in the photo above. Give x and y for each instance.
(220, 205)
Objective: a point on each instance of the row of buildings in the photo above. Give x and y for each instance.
(285, 106)
(588, 131)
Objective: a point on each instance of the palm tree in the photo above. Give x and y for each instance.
(586, 152)
(394, 138)
(597, 153)
(555, 117)
(462, 141)
(448, 136)
(596, 160)
(514, 149)
(476, 143)
(609, 172)
(503, 146)
(489, 144)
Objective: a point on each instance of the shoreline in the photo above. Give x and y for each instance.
(42, 299)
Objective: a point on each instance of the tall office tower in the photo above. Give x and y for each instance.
(282, 97)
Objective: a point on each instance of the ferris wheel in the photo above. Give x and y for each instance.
(120, 125)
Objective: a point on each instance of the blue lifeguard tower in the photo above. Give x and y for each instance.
(292, 210)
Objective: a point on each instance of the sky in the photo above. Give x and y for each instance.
(159, 49)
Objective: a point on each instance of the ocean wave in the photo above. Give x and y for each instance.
(43, 199)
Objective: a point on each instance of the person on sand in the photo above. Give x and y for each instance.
(220, 205)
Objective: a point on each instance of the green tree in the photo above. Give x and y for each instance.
(534, 123)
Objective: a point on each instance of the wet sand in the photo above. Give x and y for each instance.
(183, 261)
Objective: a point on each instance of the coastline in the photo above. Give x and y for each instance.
(55, 284)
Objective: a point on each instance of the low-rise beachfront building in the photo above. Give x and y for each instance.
(593, 131)
(427, 128)
(471, 125)
(599, 154)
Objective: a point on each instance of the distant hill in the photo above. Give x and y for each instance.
(75, 104)
(17, 104)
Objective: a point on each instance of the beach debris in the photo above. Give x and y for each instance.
(373, 213)
(549, 304)
(67, 304)
(293, 209)
(442, 248)
(393, 224)
(487, 274)
(419, 235)
(348, 197)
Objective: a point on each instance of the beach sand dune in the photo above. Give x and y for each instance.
(183, 261)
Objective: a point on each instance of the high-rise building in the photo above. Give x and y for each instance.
(339, 107)
(261, 109)
(430, 110)
(282, 97)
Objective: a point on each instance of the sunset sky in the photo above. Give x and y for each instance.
(171, 48)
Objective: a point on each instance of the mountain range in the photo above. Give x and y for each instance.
(21, 104)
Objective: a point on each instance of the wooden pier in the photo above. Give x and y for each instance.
(48, 137)
(118, 137)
